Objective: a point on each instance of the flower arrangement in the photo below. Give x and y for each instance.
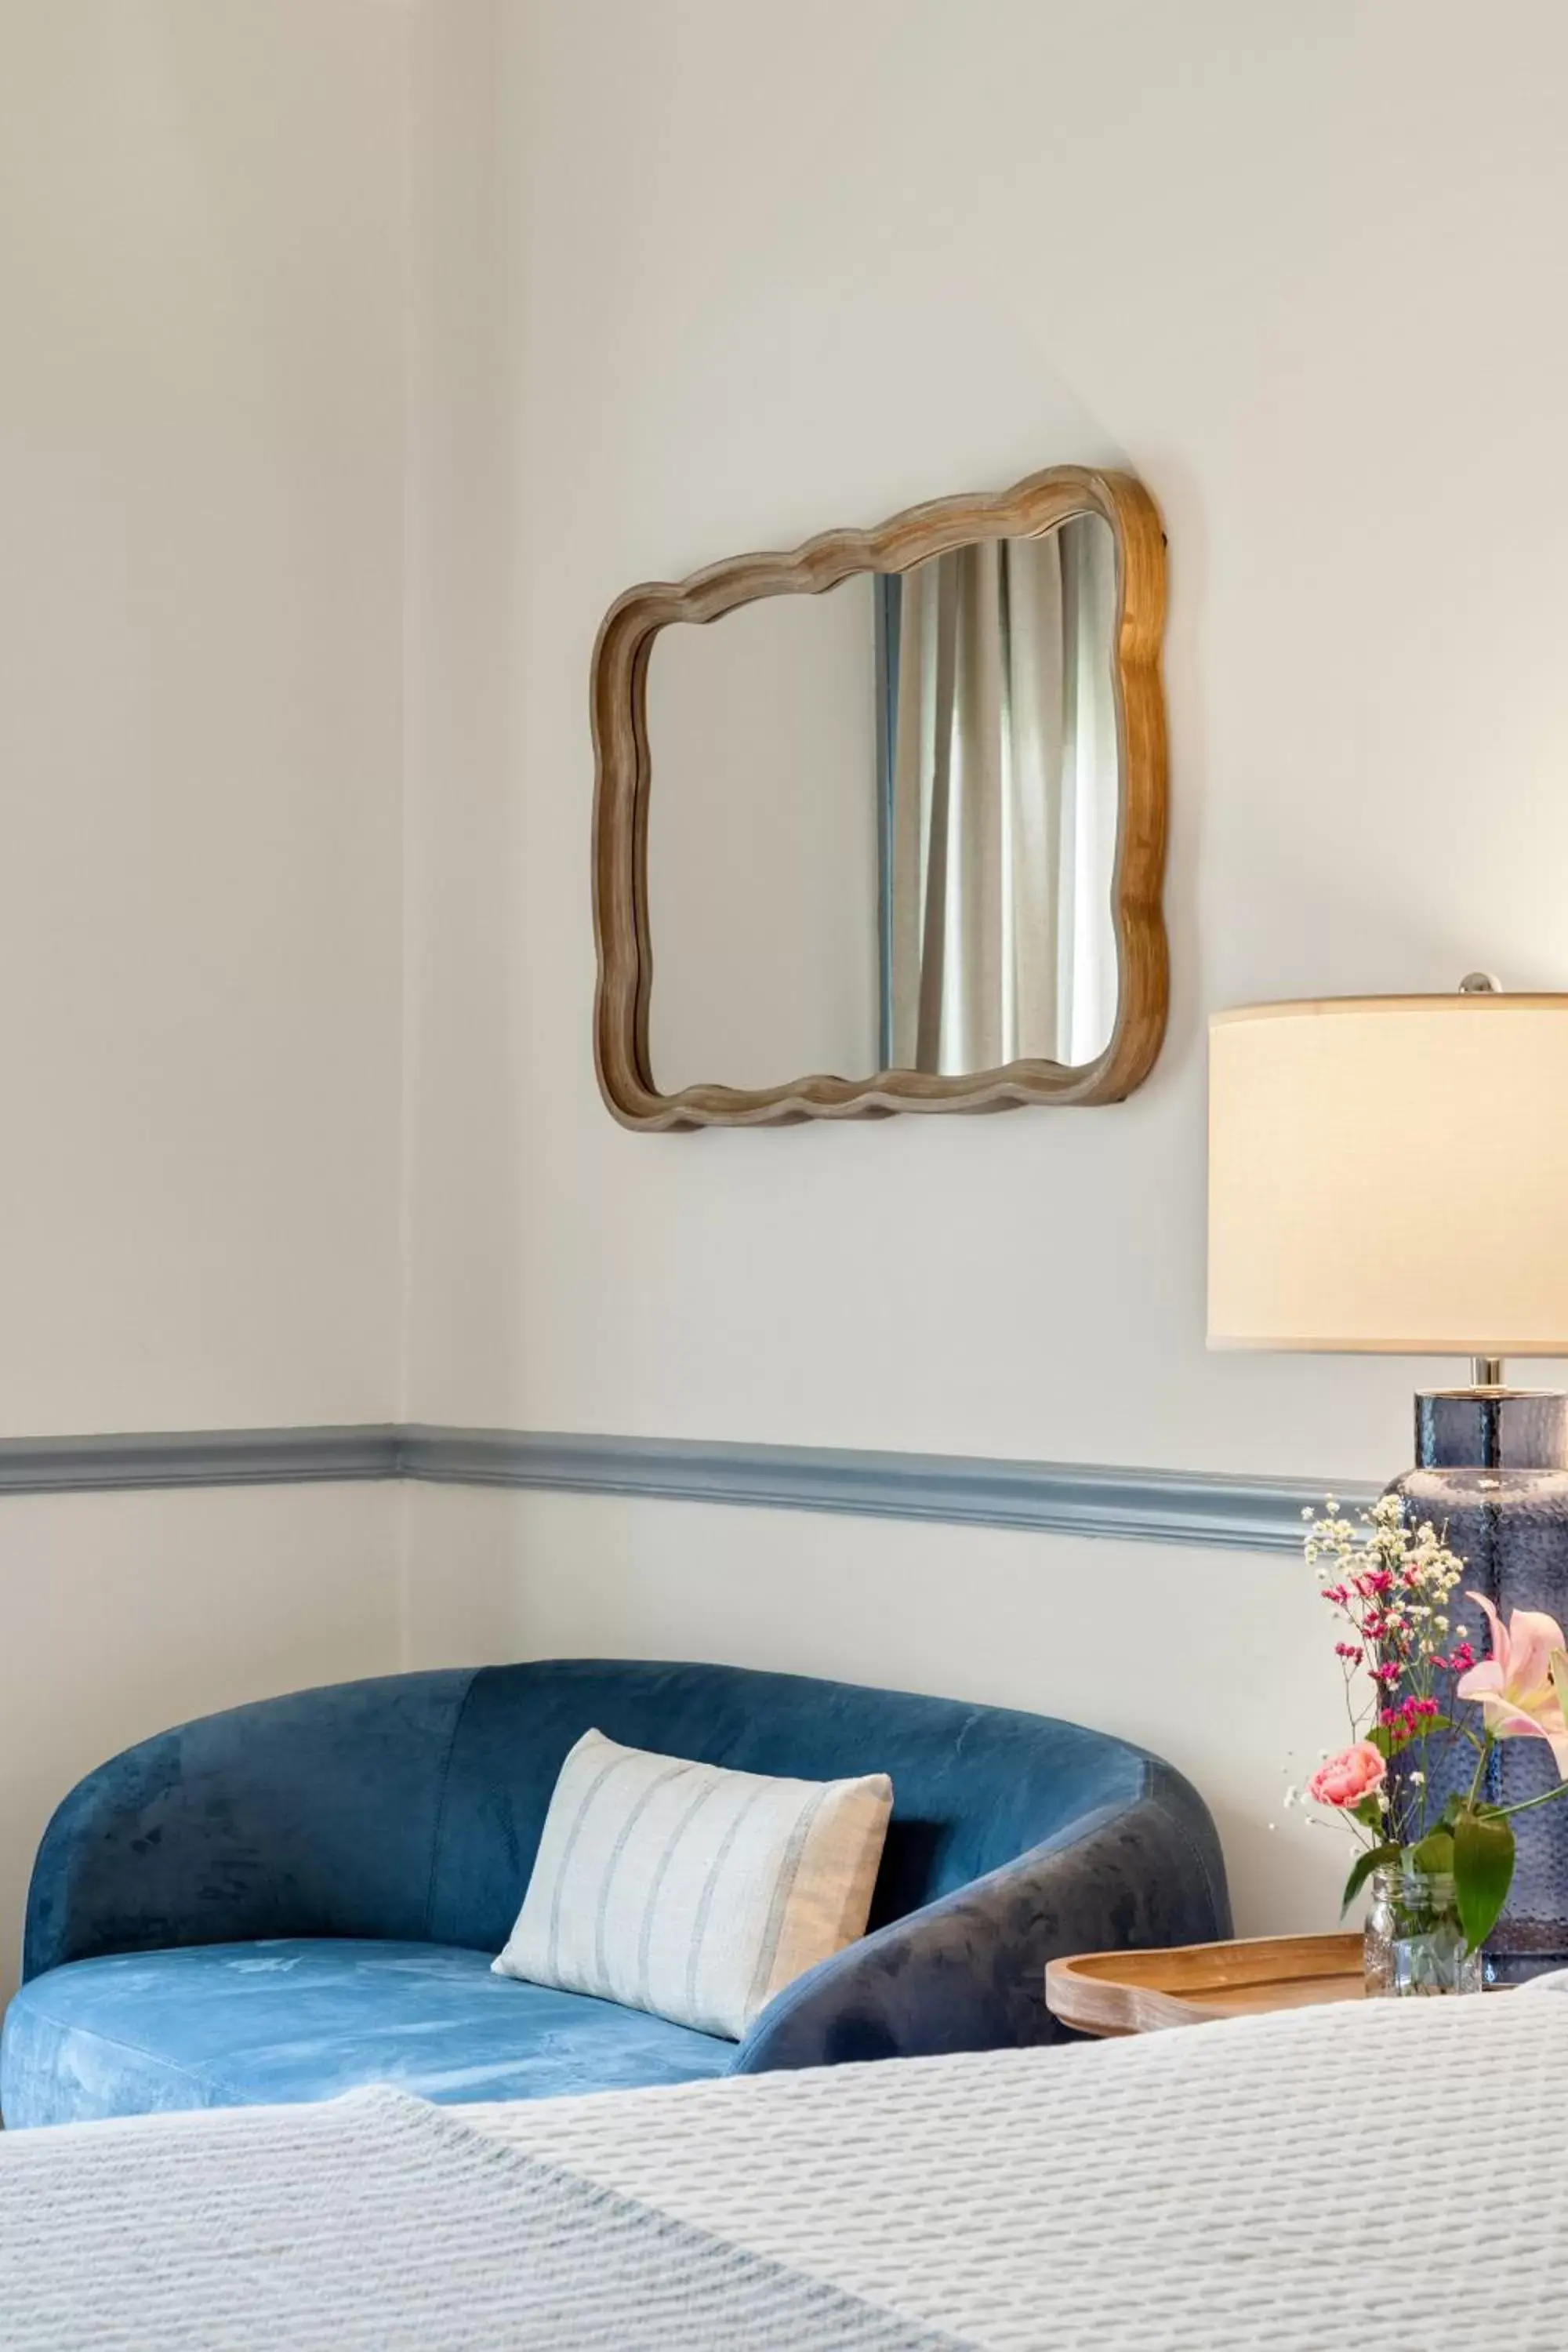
(1411, 1675)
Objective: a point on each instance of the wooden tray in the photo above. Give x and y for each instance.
(1139, 1992)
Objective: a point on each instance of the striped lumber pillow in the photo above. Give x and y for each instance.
(689, 1891)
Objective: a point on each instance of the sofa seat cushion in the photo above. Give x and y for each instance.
(220, 2025)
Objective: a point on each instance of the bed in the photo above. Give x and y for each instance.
(1383, 2179)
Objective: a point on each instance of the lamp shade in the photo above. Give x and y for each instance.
(1391, 1175)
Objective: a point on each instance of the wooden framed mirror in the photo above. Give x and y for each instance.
(899, 822)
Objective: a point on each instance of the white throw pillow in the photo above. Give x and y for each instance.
(690, 1891)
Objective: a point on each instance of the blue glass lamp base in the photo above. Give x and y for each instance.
(1492, 1476)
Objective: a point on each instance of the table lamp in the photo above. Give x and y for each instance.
(1389, 1175)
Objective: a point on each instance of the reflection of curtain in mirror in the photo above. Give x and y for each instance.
(1000, 824)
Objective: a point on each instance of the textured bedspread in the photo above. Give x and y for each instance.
(1386, 2179)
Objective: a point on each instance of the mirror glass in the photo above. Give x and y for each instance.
(882, 821)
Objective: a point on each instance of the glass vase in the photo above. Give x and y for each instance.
(1493, 1476)
(1413, 1943)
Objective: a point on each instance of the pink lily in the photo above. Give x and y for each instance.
(1514, 1687)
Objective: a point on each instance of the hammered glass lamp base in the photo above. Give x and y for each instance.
(1492, 1476)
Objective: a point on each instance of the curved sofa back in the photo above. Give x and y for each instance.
(973, 1786)
(411, 1807)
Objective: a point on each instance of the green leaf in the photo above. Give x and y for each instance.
(1376, 1857)
(1369, 1813)
(1483, 1872)
(1378, 1737)
(1435, 1854)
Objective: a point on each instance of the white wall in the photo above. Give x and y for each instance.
(201, 415)
(721, 276)
(201, 606)
(1305, 305)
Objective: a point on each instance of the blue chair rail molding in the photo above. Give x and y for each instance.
(290, 1898)
(1082, 1498)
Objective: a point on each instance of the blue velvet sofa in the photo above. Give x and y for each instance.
(291, 1898)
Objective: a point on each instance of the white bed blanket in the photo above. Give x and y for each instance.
(1391, 2179)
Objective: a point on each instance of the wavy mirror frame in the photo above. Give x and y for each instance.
(624, 775)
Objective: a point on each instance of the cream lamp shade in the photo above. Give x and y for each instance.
(1390, 1174)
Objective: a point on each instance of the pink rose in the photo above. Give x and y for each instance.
(1346, 1779)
